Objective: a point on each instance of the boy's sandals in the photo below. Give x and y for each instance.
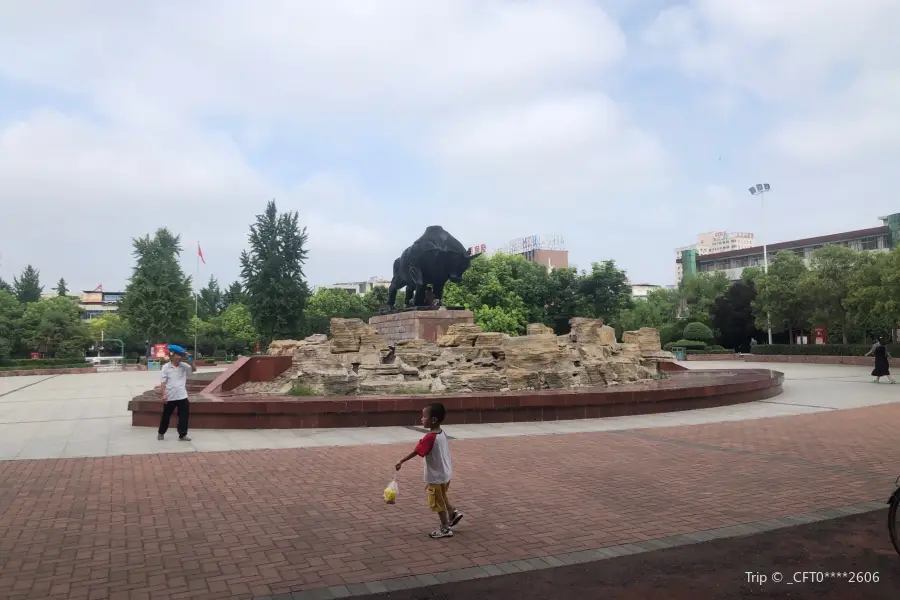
(441, 533)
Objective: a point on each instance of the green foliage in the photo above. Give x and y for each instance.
(813, 349)
(237, 324)
(211, 302)
(272, 273)
(61, 288)
(697, 295)
(657, 310)
(10, 314)
(53, 326)
(338, 303)
(686, 344)
(506, 292)
(605, 291)
(784, 294)
(28, 286)
(830, 282)
(235, 294)
(711, 351)
(158, 299)
(698, 332)
(302, 389)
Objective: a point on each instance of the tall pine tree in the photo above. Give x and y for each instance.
(211, 302)
(235, 294)
(158, 302)
(61, 289)
(273, 274)
(28, 286)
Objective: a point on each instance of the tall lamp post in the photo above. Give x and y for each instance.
(760, 190)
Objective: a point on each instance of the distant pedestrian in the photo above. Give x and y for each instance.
(173, 386)
(435, 449)
(882, 366)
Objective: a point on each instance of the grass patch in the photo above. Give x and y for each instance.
(302, 389)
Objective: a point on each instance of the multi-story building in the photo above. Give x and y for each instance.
(548, 250)
(96, 303)
(356, 287)
(713, 242)
(733, 262)
(639, 291)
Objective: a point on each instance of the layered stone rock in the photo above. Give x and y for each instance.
(358, 360)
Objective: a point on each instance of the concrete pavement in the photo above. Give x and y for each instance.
(86, 415)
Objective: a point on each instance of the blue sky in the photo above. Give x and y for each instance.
(626, 130)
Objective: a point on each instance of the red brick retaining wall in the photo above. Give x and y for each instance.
(680, 391)
(73, 371)
(863, 361)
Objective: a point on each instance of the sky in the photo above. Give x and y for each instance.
(625, 127)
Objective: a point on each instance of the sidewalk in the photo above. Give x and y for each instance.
(259, 523)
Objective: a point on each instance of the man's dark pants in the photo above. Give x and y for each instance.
(184, 410)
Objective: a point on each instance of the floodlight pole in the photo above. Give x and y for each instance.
(760, 190)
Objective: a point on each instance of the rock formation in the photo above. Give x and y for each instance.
(357, 360)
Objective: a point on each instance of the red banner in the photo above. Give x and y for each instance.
(160, 351)
(821, 335)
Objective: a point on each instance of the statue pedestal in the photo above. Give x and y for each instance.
(427, 325)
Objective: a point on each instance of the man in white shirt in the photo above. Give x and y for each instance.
(173, 385)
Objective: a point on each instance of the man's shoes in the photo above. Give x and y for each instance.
(184, 438)
(160, 437)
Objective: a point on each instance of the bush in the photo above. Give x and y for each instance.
(43, 363)
(719, 350)
(686, 344)
(813, 349)
(698, 332)
(27, 367)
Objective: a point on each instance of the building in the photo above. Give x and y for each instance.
(356, 287)
(548, 250)
(714, 242)
(93, 303)
(733, 262)
(639, 291)
(96, 303)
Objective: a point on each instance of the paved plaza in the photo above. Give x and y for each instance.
(109, 512)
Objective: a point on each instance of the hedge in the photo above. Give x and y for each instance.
(711, 351)
(698, 332)
(35, 363)
(686, 344)
(70, 365)
(812, 349)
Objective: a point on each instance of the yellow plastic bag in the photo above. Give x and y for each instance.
(391, 492)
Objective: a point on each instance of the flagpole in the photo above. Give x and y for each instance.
(197, 299)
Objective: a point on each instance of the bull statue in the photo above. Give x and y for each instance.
(434, 259)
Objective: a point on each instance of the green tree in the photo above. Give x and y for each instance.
(377, 297)
(237, 324)
(235, 294)
(272, 273)
(782, 293)
(873, 292)
(158, 302)
(28, 286)
(605, 291)
(830, 281)
(10, 316)
(61, 289)
(697, 295)
(564, 300)
(211, 301)
(337, 303)
(109, 325)
(53, 327)
(658, 310)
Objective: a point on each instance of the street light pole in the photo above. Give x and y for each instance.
(760, 190)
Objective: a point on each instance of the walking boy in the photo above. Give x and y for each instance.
(435, 449)
(173, 385)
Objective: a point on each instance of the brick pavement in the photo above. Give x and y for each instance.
(266, 522)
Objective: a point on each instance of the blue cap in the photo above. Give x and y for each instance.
(177, 349)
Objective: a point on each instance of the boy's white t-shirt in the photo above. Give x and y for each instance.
(435, 448)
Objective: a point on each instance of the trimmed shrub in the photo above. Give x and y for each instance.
(698, 332)
(711, 351)
(686, 344)
(813, 349)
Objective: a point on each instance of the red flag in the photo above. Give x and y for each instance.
(200, 253)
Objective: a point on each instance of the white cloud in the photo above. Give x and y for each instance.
(560, 147)
(827, 69)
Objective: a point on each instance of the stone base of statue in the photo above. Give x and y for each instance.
(420, 323)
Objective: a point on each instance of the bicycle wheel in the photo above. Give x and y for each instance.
(893, 517)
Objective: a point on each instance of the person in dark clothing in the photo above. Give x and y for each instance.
(882, 366)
